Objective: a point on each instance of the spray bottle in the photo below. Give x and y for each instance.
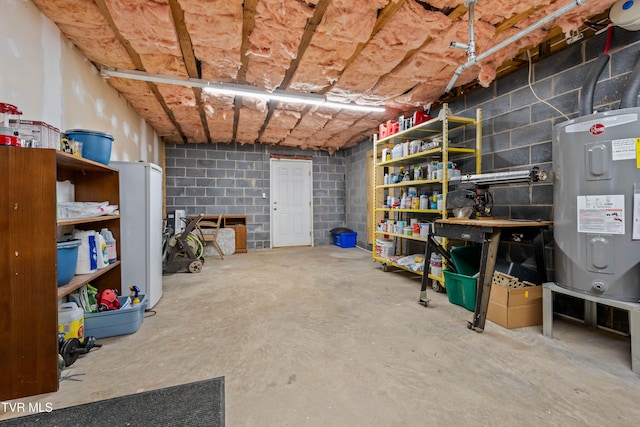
(134, 292)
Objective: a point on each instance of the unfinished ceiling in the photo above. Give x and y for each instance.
(378, 52)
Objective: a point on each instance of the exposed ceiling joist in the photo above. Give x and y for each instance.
(135, 57)
(369, 51)
(190, 61)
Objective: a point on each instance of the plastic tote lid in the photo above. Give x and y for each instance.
(69, 244)
(90, 132)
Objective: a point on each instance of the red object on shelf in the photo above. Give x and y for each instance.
(8, 135)
(420, 117)
(383, 131)
(10, 140)
(392, 127)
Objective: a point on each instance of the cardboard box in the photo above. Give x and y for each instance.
(515, 307)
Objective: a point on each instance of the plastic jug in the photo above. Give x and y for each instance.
(416, 229)
(71, 321)
(101, 248)
(424, 201)
(436, 265)
(424, 229)
(112, 254)
(87, 253)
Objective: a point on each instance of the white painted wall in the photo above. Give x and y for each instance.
(47, 77)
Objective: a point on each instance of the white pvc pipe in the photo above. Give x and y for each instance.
(564, 9)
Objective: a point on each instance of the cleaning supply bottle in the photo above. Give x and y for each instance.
(71, 321)
(134, 294)
(94, 250)
(103, 256)
(424, 201)
(112, 254)
(87, 254)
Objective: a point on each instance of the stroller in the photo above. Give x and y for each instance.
(184, 250)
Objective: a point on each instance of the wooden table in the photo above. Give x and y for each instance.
(488, 232)
(238, 223)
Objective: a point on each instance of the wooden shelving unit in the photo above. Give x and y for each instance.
(28, 266)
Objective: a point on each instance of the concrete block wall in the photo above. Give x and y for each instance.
(328, 195)
(356, 194)
(231, 179)
(517, 127)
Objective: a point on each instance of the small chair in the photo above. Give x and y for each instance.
(212, 237)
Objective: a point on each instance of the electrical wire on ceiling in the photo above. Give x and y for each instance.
(598, 28)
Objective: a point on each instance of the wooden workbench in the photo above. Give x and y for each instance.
(487, 231)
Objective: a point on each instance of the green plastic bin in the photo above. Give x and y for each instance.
(466, 259)
(461, 289)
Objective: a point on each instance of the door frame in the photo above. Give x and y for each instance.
(308, 161)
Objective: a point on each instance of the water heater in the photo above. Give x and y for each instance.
(595, 160)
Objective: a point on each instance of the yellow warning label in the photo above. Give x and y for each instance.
(638, 153)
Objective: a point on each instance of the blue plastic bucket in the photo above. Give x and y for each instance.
(96, 145)
(67, 259)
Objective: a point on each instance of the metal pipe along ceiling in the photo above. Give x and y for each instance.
(474, 60)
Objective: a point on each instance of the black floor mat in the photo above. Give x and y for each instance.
(194, 404)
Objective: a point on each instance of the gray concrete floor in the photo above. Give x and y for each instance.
(321, 336)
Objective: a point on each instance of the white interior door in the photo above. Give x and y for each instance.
(291, 196)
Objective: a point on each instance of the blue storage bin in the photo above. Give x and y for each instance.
(345, 240)
(96, 145)
(115, 322)
(67, 260)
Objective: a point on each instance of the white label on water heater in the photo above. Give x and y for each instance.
(601, 214)
(623, 149)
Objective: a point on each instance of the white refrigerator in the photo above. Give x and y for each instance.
(141, 228)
